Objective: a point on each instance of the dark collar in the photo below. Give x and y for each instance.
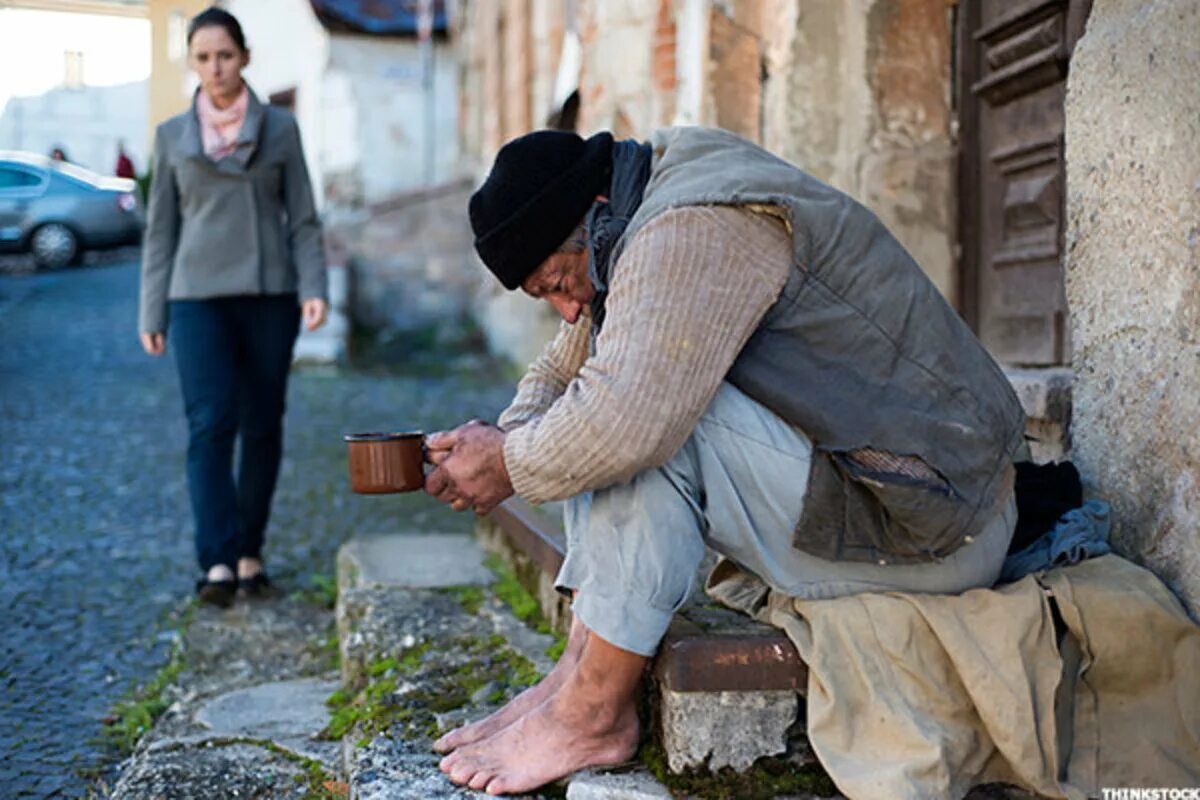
(192, 145)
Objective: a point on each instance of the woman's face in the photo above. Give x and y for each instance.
(217, 62)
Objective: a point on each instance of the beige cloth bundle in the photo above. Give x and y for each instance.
(924, 696)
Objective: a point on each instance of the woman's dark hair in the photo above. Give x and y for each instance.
(220, 18)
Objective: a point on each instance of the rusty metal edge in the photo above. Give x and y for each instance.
(689, 661)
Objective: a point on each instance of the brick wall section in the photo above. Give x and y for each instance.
(735, 73)
(857, 94)
(665, 79)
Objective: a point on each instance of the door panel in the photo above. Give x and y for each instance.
(1012, 79)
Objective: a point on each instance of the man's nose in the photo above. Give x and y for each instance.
(567, 309)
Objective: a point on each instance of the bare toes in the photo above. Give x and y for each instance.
(462, 773)
(481, 779)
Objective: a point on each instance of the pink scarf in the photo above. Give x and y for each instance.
(219, 128)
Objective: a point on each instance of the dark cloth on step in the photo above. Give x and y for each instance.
(1044, 493)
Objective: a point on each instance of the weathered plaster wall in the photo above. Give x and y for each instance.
(859, 95)
(855, 91)
(1133, 276)
(616, 90)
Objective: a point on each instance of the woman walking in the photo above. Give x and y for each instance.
(232, 262)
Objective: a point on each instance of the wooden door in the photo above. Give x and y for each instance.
(1012, 68)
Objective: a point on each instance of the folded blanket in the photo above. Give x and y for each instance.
(1064, 683)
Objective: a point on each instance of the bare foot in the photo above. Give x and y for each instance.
(590, 721)
(560, 737)
(523, 703)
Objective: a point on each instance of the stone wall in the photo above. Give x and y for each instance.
(409, 259)
(855, 91)
(859, 95)
(1133, 276)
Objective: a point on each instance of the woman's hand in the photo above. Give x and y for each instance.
(154, 344)
(314, 311)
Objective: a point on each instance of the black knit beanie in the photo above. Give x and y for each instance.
(540, 187)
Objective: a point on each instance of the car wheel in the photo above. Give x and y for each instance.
(54, 245)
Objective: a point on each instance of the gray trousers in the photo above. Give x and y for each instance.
(737, 485)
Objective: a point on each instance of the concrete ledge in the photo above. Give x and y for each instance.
(1045, 396)
(411, 560)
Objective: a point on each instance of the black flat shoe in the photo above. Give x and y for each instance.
(218, 593)
(256, 585)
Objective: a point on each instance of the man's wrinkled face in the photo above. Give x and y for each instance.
(562, 281)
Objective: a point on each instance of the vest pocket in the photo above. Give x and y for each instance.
(852, 513)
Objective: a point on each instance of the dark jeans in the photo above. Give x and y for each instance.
(233, 355)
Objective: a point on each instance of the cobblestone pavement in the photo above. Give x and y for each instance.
(96, 546)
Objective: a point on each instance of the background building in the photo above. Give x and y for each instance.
(73, 74)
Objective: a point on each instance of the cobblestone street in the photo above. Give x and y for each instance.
(96, 547)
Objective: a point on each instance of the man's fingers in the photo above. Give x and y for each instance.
(460, 504)
(436, 482)
(442, 440)
(436, 457)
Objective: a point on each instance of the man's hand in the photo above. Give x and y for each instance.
(470, 467)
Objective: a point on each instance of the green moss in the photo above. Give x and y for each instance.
(767, 778)
(374, 707)
(325, 651)
(469, 597)
(380, 667)
(322, 591)
(132, 717)
(318, 784)
(524, 605)
(413, 656)
(555, 650)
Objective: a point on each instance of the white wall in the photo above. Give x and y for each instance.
(86, 122)
(289, 49)
(360, 101)
(383, 76)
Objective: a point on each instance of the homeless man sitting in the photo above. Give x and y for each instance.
(747, 360)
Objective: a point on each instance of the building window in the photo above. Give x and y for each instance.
(73, 69)
(177, 24)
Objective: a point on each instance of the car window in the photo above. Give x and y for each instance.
(13, 178)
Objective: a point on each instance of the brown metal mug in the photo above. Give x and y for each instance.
(383, 463)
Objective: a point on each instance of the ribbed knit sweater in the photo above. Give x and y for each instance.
(686, 293)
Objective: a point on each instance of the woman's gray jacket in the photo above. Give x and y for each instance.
(243, 225)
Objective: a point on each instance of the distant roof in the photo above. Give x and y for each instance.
(376, 17)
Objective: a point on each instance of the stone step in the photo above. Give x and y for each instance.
(421, 603)
(726, 687)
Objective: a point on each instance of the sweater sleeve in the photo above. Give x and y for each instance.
(689, 290)
(548, 376)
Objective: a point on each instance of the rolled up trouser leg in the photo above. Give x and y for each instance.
(632, 554)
